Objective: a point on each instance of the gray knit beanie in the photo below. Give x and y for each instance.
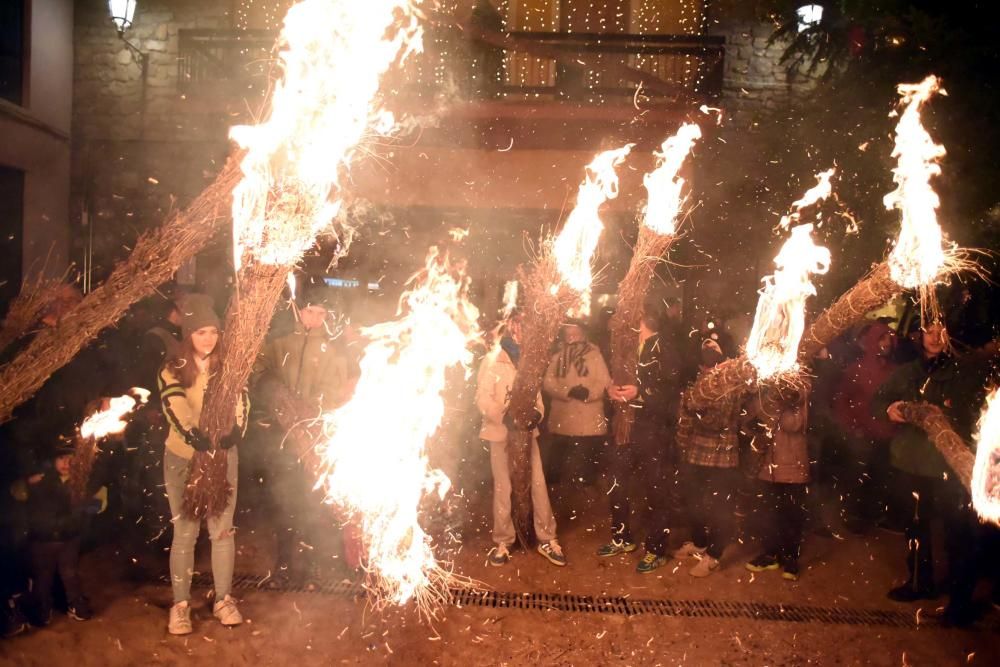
(197, 311)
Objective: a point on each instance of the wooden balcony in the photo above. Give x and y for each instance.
(473, 64)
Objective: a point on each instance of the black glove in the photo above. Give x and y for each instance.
(536, 418)
(235, 437)
(200, 441)
(579, 392)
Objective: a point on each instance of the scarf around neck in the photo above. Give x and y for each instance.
(573, 355)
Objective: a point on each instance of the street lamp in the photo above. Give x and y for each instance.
(122, 12)
(809, 16)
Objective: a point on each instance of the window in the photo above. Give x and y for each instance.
(11, 236)
(13, 49)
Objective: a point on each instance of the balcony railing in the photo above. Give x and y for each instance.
(472, 63)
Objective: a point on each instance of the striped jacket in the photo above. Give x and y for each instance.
(182, 408)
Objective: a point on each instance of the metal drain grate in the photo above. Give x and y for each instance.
(618, 606)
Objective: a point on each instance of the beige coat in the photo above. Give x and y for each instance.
(570, 416)
(495, 380)
(786, 460)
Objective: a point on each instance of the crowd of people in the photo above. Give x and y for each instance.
(686, 482)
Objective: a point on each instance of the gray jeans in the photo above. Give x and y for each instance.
(503, 525)
(220, 531)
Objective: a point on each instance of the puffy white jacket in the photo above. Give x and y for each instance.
(495, 380)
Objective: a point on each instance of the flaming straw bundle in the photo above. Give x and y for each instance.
(918, 257)
(665, 198)
(772, 349)
(986, 470)
(376, 467)
(100, 425)
(574, 247)
(558, 280)
(773, 346)
(333, 55)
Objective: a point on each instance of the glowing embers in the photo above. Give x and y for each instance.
(333, 54)
(664, 185)
(374, 456)
(986, 471)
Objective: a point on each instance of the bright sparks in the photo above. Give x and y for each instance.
(333, 54)
(986, 471)
(664, 185)
(374, 458)
(575, 244)
(112, 420)
(918, 256)
(510, 290)
(780, 319)
(822, 190)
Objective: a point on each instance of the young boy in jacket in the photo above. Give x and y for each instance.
(784, 475)
(56, 524)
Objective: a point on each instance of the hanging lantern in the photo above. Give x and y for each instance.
(122, 12)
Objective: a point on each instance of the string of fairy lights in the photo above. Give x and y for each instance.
(521, 70)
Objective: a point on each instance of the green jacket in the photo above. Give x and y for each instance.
(310, 364)
(954, 385)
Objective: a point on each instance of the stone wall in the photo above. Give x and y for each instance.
(139, 147)
(756, 83)
(142, 146)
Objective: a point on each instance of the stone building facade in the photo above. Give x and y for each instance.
(143, 142)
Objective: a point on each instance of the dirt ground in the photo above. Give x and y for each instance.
(318, 629)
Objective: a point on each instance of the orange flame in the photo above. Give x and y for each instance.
(918, 256)
(986, 471)
(112, 420)
(575, 245)
(664, 185)
(376, 463)
(780, 318)
(333, 54)
(813, 195)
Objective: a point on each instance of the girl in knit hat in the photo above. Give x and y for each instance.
(183, 381)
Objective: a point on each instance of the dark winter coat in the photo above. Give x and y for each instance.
(52, 517)
(954, 386)
(658, 376)
(852, 399)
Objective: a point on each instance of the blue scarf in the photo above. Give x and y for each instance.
(512, 349)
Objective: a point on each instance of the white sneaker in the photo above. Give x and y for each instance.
(706, 566)
(225, 610)
(687, 550)
(180, 619)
